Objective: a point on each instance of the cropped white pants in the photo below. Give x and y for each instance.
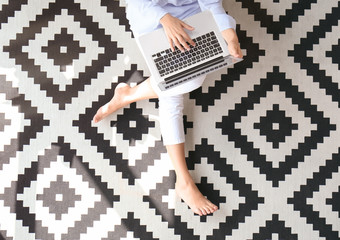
(171, 110)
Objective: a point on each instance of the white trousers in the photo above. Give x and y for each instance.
(171, 119)
(171, 110)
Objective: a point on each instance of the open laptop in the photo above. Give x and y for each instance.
(173, 68)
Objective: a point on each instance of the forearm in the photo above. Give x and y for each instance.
(230, 35)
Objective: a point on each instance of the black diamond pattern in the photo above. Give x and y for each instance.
(63, 59)
(134, 117)
(28, 218)
(266, 124)
(40, 77)
(324, 127)
(59, 207)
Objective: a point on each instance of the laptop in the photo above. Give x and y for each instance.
(171, 69)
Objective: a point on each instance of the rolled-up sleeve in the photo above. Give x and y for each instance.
(224, 21)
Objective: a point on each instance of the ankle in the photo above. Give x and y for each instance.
(123, 94)
(184, 182)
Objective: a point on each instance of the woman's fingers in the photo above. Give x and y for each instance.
(184, 37)
(235, 50)
(174, 29)
(182, 41)
(187, 37)
(171, 43)
(178, 44)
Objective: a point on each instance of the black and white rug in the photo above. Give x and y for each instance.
(263, 140)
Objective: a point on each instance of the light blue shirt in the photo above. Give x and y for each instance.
(144, 15)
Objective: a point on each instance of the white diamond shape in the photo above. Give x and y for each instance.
(63, 49)
(132, 124)
(92, 50)
(276, 126)
(18, 121)
(88, 197)
(59, 197)
(291, 142)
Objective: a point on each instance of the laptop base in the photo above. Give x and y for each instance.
(203, 69)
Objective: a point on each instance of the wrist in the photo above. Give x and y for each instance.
(230, 35)
(165, 18)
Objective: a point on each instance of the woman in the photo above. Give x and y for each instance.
(145, 16)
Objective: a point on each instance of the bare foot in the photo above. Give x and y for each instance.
(118, 101)
(194, 198)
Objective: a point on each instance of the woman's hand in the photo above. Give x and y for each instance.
(233, 44)
(174, 30)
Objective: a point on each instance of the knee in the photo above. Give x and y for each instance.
(171, 106)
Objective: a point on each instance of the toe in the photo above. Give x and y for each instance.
(204, 212)
(97, 117)
(198, 211)
(212, 210)
(207, 210)
(213, 207)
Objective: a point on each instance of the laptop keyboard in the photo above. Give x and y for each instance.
(206, 47)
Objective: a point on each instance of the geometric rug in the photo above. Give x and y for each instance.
(262, 138)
